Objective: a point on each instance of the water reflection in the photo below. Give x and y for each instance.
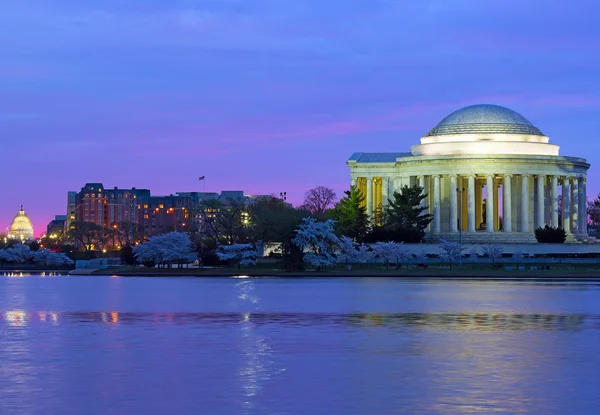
(29, 274)
(251, 321)
(258, 364)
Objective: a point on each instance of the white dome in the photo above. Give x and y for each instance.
(485, 129)
(21, 227)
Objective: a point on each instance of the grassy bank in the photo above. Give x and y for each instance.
(479, 271)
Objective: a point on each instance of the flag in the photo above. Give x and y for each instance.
(201, 177)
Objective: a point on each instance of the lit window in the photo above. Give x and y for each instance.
(145, 206)
(145, 216)
(161, 206)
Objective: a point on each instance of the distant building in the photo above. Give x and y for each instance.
(71, 209)
(56, 226)
(21, 227)
(154, 214)
(107, 207)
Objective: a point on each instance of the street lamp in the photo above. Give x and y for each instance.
(283, 196)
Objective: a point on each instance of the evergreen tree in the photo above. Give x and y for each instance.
(405, 211)
(350, 215)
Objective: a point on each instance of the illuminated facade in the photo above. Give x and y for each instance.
(488, 172)
(154, 215)
(21, 228)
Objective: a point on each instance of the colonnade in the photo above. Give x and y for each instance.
(474, 202)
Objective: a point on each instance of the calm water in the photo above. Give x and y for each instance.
(96, 345)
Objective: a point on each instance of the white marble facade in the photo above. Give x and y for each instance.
(485, 170)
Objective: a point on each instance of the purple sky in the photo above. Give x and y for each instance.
(270, 95)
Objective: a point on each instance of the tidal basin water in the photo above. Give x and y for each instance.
(110, 345)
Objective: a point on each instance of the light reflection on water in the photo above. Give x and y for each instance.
(251, 346)
(432, 321)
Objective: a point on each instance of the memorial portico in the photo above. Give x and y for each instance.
(485, 170)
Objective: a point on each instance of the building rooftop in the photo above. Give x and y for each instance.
(377, 157)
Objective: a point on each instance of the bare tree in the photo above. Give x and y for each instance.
(222, 220)
(85, 233)
(127, 233)
(319, 200)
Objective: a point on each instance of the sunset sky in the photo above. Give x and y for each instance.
(271, 95)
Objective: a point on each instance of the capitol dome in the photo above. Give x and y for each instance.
(484, 118)
(21, 227)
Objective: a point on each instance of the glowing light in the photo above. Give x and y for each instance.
(16, 318)
(21, 227)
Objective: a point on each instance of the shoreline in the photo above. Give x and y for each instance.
(450, 274)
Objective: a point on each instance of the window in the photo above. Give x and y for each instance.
(161, 206)
(145, 206)
(145, 216)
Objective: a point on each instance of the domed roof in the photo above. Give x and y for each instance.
(484, 119)
(21, 227)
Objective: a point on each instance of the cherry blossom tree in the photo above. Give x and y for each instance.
(450, 251)
(473, 256)
(348, 250)
(365, 254)
(17, 253)
(390, 252)
(318, 242)
(241, 254)
(493, 252)
(166, 249)
(50, 258)
(518, 257)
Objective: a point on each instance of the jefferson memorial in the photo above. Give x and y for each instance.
(488, 173)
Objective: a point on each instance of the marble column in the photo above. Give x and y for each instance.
(496, 205)
(507, 203)
(541, 193)
(489, 204)
(421, 180)
(479, 219)
(436, 204)
(370, 197)
(386, 190)
(582, 207)
(471, 204)
(555, 223)
(575, 205)
(453, 204)
(566, 204)
(524, 203)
